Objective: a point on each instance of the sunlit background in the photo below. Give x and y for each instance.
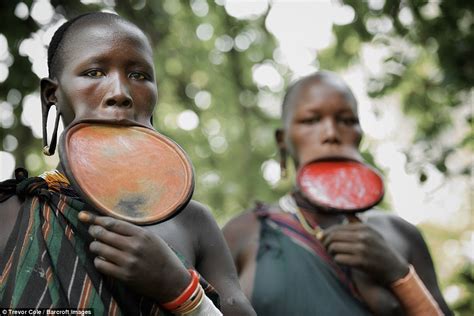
(228, 127)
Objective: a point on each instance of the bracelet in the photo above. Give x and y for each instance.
(192, 304)
(205, 308)
(186, 294)
(414, 296)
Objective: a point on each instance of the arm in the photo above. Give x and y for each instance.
(214, 262)
(241, 235)
(375, 265)
(372, 251)
(421, 260)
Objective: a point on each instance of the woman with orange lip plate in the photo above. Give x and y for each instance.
(101, 67)
(285, 266)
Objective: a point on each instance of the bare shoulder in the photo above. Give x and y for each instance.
(195, 216)
(405, 237)
(197, 222)
(184, 230)
(246, 222)
(242, 232)
(391, 221)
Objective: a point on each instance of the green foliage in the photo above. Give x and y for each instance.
(429, 67)
(429, 64)
(210, 76)
(465, 278)
(233, 136)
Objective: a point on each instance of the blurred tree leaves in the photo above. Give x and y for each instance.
(204, 61)
(429, 65)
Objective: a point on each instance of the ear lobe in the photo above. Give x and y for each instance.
(48, 92)
(280, 138)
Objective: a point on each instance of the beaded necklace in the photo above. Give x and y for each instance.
(288, 204)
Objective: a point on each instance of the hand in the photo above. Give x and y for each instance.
(140, 259)
(359, 246)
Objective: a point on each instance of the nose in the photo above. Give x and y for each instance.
(118, 94)
(330, 133)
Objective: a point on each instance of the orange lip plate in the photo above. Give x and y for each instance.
(128, 172)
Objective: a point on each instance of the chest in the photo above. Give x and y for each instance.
(177, 238)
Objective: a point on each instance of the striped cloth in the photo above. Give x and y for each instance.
(47, 263)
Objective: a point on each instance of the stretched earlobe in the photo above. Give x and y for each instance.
(49, 150)
(48, 99)
(279, 137)
(48, 91)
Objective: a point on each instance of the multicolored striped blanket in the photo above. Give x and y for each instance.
(47, 262)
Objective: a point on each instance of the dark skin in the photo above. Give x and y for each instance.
(322, 122)
(108, 73)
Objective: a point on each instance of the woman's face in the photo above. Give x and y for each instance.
(322, 123)
(107, 74)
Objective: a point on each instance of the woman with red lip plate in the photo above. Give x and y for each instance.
(285, 267)
(101, 67)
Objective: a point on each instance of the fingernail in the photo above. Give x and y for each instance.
(320, 235)
(83, 216)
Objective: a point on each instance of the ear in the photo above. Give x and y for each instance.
(48, 99)
(48, 93)
(280, 138)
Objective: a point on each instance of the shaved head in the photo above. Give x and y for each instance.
(325, 78)
(65, 34)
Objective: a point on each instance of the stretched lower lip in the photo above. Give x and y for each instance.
(116, 114)
(350, 154)
(116, 117)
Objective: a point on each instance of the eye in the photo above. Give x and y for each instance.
(137, 76)
(349, 121)
(310, 120)
(95, 73)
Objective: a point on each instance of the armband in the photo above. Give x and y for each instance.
(414, 297)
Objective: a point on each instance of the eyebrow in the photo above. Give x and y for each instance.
(140, 63)
(130, 63)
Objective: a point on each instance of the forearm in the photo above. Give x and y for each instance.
(237, 306)
(413, 295)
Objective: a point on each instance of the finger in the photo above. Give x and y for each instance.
(109, 268)
(110, 238)
(111, 224)
(345, 227)
(108, 253)
(338, 236)
(341, 248)
(348, 260)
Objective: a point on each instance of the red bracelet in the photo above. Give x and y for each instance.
(186, 294)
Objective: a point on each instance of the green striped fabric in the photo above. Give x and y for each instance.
(47, 262)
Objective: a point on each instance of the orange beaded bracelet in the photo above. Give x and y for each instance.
(186, 294)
